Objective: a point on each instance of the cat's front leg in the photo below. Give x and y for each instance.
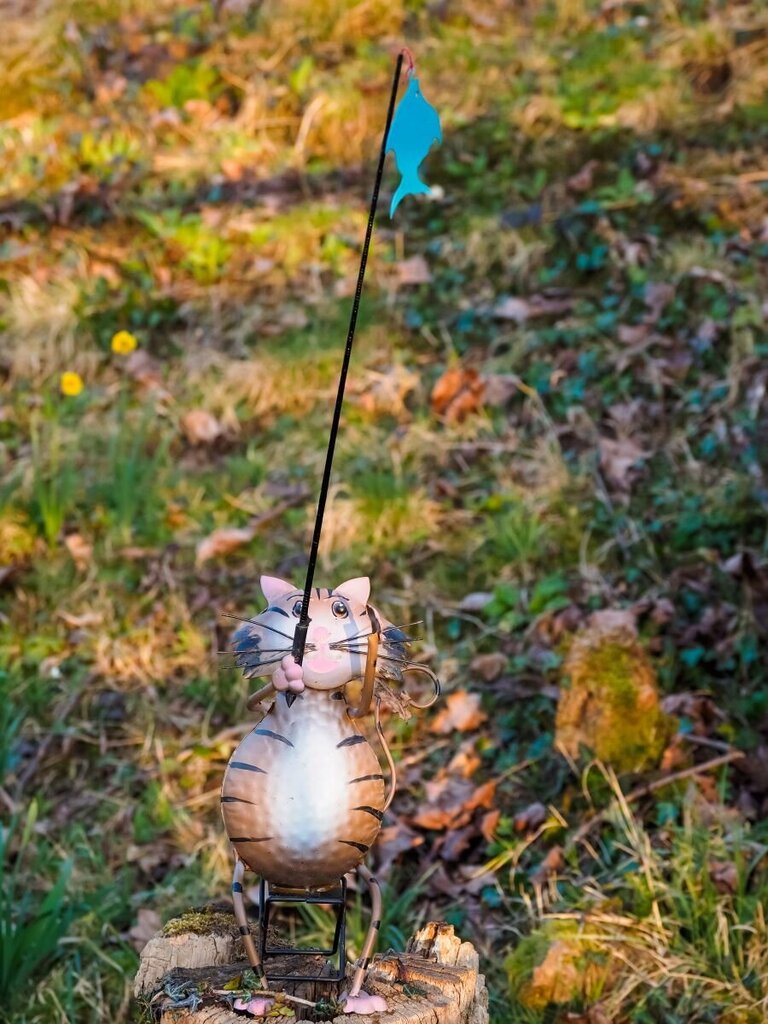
(288, 676)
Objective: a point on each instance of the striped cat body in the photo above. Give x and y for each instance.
(303, 795)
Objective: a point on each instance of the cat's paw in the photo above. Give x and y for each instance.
(257, 1006)
(289, 676)
(363, 1002)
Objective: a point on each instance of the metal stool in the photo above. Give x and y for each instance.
(277, 896)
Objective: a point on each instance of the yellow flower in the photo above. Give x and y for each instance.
(123, 343)
(71, 384)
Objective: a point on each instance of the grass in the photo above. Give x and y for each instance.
(679, 916)
(199, 178)
(31, 928)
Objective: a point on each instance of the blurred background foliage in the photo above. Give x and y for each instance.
(556, 413)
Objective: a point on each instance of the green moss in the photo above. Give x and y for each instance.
(611, 666)
(612, 705)
(555, 965)
(527, 955)
(201, 921)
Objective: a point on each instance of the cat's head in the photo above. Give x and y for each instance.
(335, 652)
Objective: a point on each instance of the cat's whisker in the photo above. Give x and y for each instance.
(343, 645)
(260, 650)
(260, 663)
(381, 657)
(362, 652)
(259, 625)
(357, 636)
(272, 650)
(369, 632)
(363, 634)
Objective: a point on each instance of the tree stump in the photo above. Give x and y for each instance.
(435, 981)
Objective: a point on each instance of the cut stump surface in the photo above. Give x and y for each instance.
(435, 981)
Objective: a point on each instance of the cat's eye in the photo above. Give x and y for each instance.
(297, 609)
(339, 609)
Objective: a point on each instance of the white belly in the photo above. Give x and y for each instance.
(309, 793)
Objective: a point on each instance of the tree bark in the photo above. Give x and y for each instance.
(435, 981)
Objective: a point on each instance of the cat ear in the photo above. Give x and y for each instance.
(273, 588)
(358, 589)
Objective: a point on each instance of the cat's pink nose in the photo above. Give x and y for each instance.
(320, 633)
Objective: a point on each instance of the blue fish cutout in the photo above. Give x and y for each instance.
(415, 127)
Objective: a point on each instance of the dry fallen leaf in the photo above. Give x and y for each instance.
(145, 369)
(552, 863)
(414, 270)
(699, 708)
(619, 460)
(201, 427)
(482, 796)
(434, 818)
(489, 666)
(222, 542)
(146, 927)
(393, 841)
(657, 296)
(501, 388)
(462, 712)
(466, 760)
(529, 819)
(134, 553)
(458, 394)
(564, 974)
(609, 620)
(232, 169)
(476, 601)
(80, 621)
(677, 754)
(451, 802)
(384, 393)
(229, 538)
(512, 308)
(724, 875)
(80, 550)
(467, 878)
(455, 842)
(489, 823)
(583, 180)
(293, 317)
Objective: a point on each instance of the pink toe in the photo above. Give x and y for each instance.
(363, 1002)
(258, 1005)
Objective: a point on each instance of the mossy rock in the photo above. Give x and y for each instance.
(17, 539)
(609, 703)
(556, 966)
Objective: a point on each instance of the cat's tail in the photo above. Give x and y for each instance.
(387, 754)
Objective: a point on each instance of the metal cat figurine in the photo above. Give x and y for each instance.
(304, 795)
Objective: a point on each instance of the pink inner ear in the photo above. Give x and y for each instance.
(274, 588)
(358, 589)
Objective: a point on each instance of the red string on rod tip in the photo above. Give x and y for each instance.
(409, 57)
